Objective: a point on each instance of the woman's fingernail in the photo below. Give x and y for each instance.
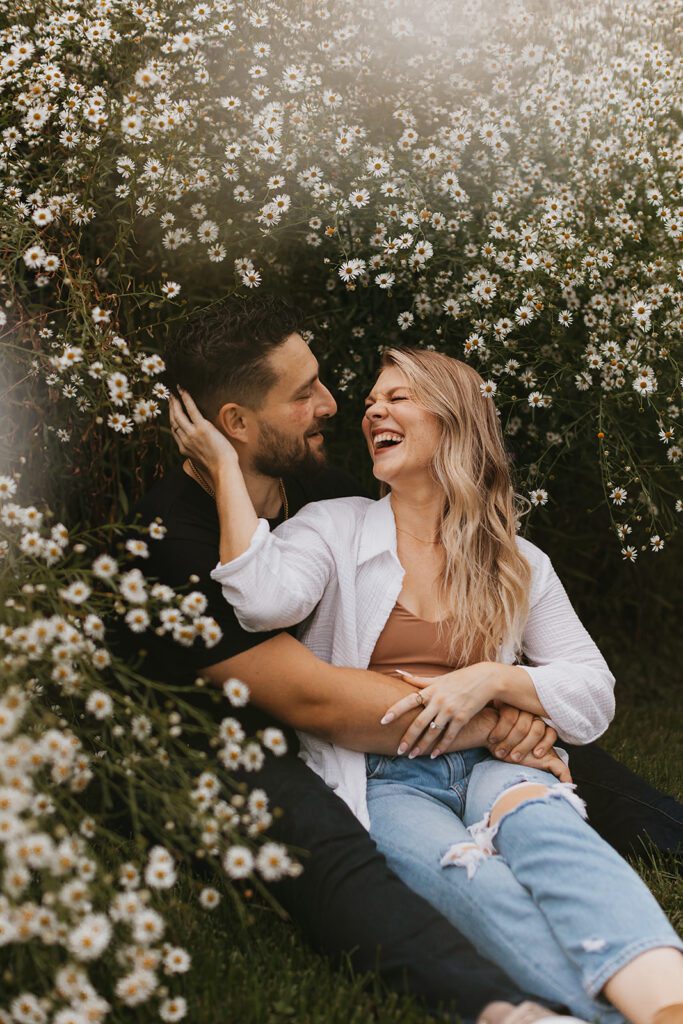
(389, 717)
(501, 752)
(413, 753)
(538, 752)
(515, 757)
(402, 748)
(435, 753)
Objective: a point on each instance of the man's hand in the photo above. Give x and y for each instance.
(518, 733)
(551, 762)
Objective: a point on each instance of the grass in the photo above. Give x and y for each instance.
(263, 973)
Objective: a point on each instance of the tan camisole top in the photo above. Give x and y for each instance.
(409, 643)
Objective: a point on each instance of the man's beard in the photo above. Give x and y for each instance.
(279, 455)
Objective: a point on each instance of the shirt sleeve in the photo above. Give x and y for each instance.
(280, 578)
(571, 677)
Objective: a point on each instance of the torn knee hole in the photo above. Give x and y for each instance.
(465, 855)
(465, 847)
(528, 792)
(515, 796)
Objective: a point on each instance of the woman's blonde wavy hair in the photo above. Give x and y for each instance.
(485, 581)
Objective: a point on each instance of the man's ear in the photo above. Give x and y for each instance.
(234, 421)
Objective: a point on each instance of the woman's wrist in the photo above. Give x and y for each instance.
(496, 683)
(512, 684)
(223, 473)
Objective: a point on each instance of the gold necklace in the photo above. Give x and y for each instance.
(283, 496)
(414, 536)
(401, 530)
(212, 494)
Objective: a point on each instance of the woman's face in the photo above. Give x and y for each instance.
(401, 436)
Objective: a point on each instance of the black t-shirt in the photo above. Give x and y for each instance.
(190, 549)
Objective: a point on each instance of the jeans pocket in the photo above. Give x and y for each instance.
(374, 764)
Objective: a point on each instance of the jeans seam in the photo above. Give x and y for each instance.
(458, 786)
(451, 769)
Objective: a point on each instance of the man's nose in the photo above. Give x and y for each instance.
(326, 405)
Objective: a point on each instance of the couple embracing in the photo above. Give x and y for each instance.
(447, 836)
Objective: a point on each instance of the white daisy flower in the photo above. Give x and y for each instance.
(238, 862)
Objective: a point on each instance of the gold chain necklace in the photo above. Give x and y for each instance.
(211, 492)
(401, 530)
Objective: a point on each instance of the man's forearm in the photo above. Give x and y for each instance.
(336, 704)
(342, 705)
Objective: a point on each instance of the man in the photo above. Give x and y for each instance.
(253, 375)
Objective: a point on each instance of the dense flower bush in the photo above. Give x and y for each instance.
(499, 179)
(91, 753)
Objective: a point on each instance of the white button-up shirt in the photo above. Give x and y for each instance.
(334, 569)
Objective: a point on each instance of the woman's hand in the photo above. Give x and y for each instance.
(450, 701)
(197, 438)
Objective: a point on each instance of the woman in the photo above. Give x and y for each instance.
(431, 577)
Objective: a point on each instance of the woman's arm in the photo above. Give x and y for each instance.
(570, 675)
(451, 700)
(272, 582)
(281, 577)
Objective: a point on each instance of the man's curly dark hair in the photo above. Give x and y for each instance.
(220, 354)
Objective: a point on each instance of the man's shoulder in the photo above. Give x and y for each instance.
(328, 482)
(178, 501)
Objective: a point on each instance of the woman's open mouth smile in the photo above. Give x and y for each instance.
(385, 440)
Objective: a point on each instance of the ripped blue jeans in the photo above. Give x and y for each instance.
(540, 893)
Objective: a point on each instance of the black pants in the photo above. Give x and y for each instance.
(350, 905)
(626, 810)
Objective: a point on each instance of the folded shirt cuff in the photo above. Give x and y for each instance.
(225, 570)
(557, 692)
